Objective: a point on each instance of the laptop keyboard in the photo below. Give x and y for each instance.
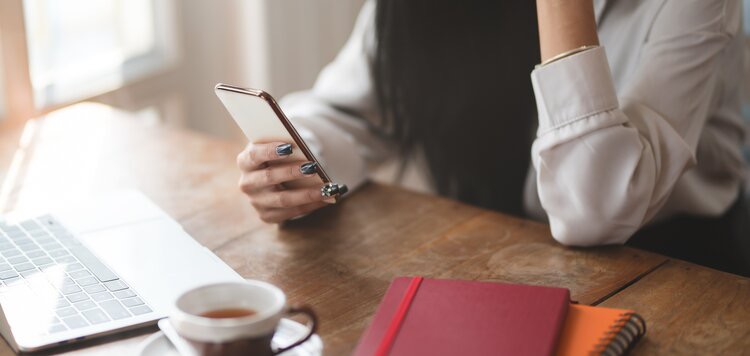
(42, 257)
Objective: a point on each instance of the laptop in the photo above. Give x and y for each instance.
(115, 263)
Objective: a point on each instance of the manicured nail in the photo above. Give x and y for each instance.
(330, 200)
(333, 189)
(284, 150)
(309, 168)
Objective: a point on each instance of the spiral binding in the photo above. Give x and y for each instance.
(622, 336)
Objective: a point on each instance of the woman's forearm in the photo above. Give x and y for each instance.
(565, 25)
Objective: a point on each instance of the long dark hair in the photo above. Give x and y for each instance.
(452, 79)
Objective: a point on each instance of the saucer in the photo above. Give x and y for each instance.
(287, 332)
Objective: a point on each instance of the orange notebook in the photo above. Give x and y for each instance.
(595, 330)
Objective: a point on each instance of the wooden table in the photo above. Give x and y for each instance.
(341, 259)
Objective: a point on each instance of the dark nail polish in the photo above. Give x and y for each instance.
(309, 168)
(329, 190)
(332, 189)
(284, 150)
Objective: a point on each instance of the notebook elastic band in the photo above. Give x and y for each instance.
(398, 318)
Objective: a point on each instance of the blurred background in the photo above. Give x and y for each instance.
(162, 58)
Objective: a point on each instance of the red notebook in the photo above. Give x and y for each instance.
(451, 317)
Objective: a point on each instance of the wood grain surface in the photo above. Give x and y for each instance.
(690, 310)
(341, 259)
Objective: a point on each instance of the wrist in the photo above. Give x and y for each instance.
(565, 25)
(565, 2)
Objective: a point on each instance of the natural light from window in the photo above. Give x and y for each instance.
(2, 82)
(80, 48)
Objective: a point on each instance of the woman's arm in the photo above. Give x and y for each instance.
(607, 161)
(565, 25)
(335, 120)
(338, 117)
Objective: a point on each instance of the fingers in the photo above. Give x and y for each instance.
(277, 174)
(276, 204)
(275, 216)
(256, 154)
(273, 198)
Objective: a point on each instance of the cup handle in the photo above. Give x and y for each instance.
(312, 325)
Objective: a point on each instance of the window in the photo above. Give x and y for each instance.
(81, 48)
(2, 83)
(746, 104)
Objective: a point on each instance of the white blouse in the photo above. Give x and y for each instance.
(644, 127)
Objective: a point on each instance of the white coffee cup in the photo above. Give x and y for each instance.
(248, 334)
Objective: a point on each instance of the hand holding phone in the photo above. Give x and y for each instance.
(265, 170)
(280, 175)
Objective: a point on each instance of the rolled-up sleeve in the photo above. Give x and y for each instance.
(607, 161)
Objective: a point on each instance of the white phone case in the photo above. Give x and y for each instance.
(261, 120)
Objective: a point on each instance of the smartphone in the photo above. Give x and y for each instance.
(261, 120)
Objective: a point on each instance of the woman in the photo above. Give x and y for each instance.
(645, 132)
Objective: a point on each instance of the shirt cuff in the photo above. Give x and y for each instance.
(573, 88)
